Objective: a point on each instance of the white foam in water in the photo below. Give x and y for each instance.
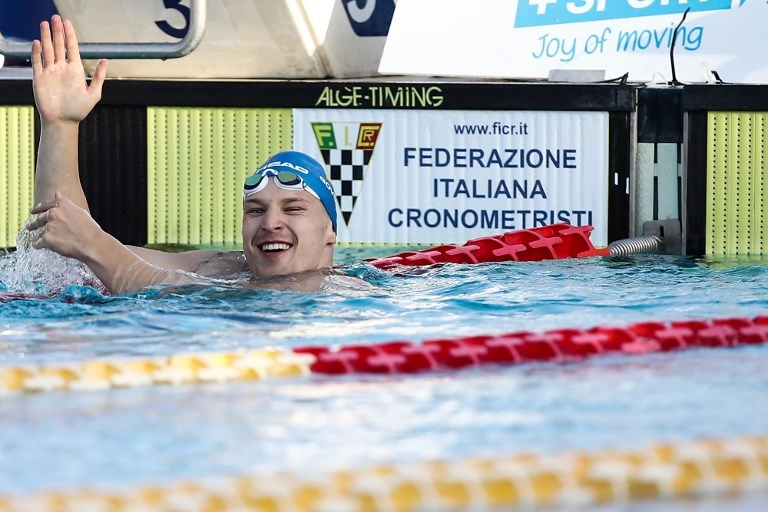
(41, 271)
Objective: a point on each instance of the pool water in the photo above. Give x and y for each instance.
(125, 438)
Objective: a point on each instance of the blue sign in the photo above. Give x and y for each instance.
(535, 13)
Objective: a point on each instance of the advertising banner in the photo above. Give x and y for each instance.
(530, 38)
(416, 176)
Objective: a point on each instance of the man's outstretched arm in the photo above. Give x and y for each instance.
(63, 99)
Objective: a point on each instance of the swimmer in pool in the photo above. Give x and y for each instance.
(289, 211)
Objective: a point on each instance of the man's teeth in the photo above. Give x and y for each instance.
(275, 247)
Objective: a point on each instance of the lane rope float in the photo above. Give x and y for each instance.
(100, 374)
(556, 241)
(701, 469)
(394, 357)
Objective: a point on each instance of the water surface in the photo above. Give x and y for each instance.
(123, 438)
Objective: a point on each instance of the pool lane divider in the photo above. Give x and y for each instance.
(700, 469)
(559, 345)
(100, 374)
(553, 242)
(394, 357)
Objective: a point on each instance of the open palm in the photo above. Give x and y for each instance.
(61, 90)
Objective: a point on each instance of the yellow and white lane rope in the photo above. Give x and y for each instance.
(389, 357)
(693, 470)
(175, 369)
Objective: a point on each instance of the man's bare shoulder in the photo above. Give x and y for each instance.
(320, 280)
(339, 282)
(222, 265)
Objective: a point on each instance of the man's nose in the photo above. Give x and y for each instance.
(272, 219)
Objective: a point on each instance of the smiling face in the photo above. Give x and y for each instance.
(286, 231)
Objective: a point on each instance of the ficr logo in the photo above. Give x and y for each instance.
(347, 149)
(369, 18)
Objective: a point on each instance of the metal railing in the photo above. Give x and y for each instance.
(197, 17)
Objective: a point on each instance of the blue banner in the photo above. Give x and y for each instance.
(535, 13)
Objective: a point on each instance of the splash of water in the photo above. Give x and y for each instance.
(41, 271)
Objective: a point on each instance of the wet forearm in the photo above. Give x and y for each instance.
(57, 164)
(122, 271)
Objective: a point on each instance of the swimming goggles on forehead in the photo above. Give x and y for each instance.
(287, 180)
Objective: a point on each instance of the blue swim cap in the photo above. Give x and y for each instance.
(284, 167)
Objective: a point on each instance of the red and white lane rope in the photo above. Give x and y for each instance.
(553, 242)
(444, 354)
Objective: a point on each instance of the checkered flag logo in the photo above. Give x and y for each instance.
(347, 149)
